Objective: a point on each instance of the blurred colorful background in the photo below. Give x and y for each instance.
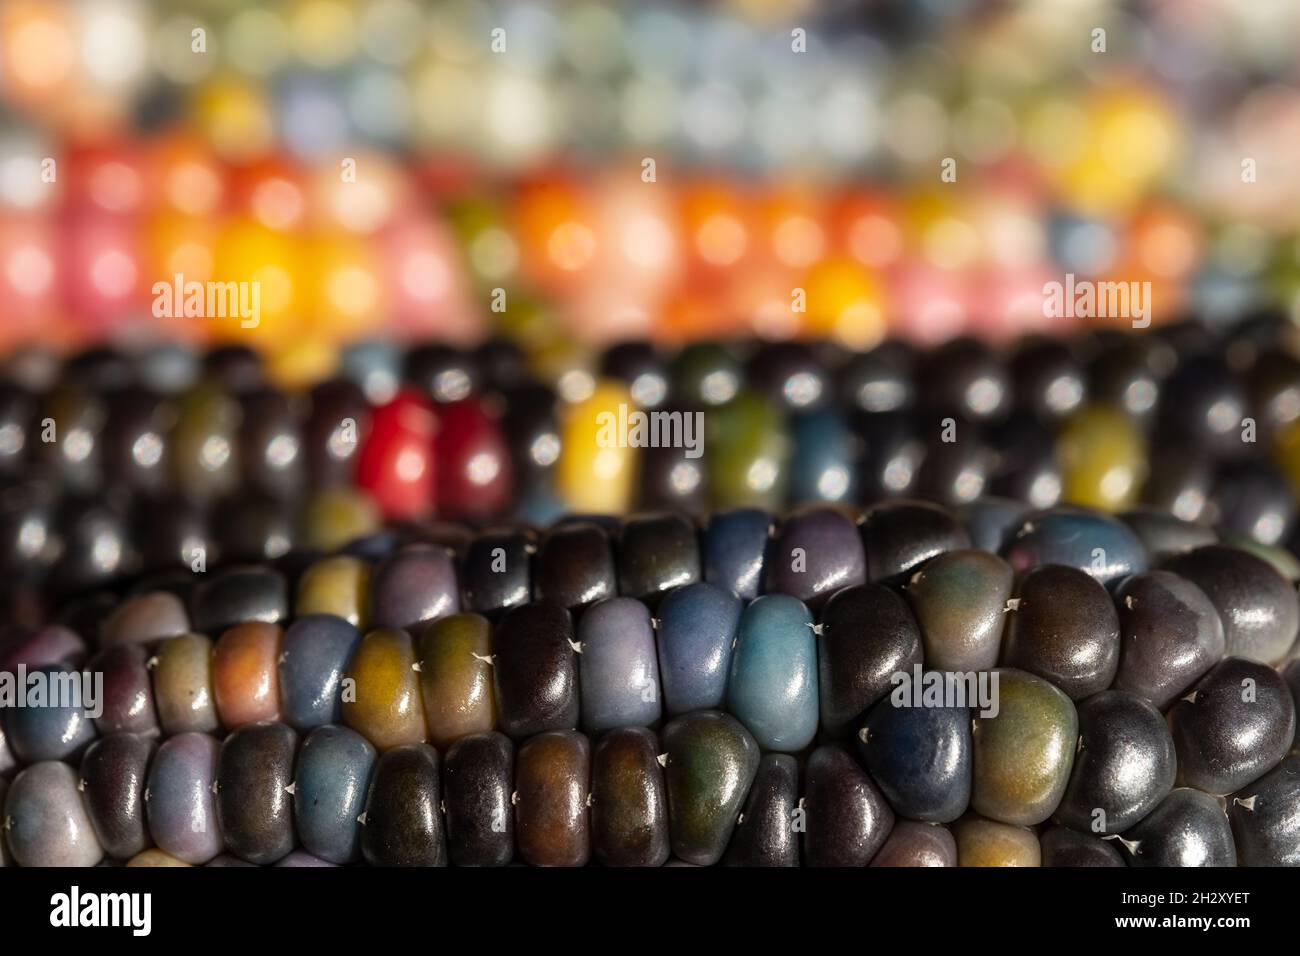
(474, 227)
(570, 174)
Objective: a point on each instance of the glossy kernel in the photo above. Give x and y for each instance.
(127, 703)
(848, 819)
(920, 757)
(1170, 636)
(45, 822)
(254, 802)
(629, 800)
(385, 705)
(869, 634)
(711, 762)
(403, 824)
(1023, 755)
(331, 779)
(1188, 828)
(535, 673)
(477, 788)
(337, 585)
(112, 782)
(772, 688)
(182, 682)
(695, 634)
(245, 674)
(413, 586)
(50, 727)
(734, 549)
(1124, 767)
(1062, 626)
(959, 599)
(181, 805)
(314, 656)
(983, 842)
(618, 669)
(656, 552)
(1234, 726)
(765, 832)
(1259, 608)
(552, 781)
(1265, 817)
(917, 844)
(1079, 538)
(816, 552)
(456, 678)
